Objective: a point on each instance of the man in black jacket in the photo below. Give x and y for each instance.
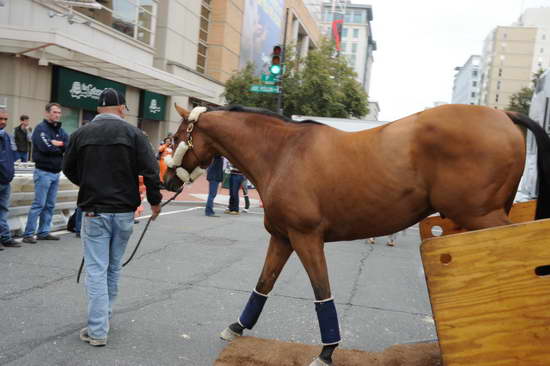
(49, 141)
(105, 158)
(22, 135)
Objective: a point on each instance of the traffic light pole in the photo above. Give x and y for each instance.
(280, 83)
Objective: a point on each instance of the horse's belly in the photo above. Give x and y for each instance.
(363, 226)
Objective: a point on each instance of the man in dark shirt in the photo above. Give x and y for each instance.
(105, 158)
(214, 176)
(23, 136)
(49, 141)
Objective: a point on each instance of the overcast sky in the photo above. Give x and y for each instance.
(421, 42)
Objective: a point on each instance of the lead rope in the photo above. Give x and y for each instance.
(140, 238)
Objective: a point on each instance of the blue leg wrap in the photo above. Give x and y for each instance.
(328, 321)
(253, 309)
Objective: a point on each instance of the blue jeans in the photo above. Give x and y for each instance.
(45, 193)
(212, 192)
(22, 155)
(4, 204)
(104, 237)
(235, 181)
(77, 220)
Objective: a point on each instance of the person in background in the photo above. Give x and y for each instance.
(23, 138)
(235, 181)
(7, 157)
(164, 150)
(244, 186)
(107, 174)
(49, 140)
(214, 176)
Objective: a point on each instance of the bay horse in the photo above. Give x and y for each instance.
(319, 184)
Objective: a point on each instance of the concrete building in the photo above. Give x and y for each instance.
(513, 54)
(540, 19)
(466, 82)
(358, 44)
(302, 27)
(507, 64)
(50, 51)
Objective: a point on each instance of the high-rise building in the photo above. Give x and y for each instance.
(357, 42)
(512, 55)
(466, 82)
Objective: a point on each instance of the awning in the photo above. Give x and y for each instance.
(62, 49)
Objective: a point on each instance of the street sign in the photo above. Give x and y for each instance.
(270, 79)
(265, 88)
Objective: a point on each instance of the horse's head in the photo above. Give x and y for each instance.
(192, 152)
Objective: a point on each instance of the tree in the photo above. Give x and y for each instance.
(521, 101)
(321, 84)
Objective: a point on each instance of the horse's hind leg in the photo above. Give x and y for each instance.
(277, 255)
(310, 250)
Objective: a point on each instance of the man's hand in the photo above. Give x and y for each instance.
(156, 211)
(57, 143)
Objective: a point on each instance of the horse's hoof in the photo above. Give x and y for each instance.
(228, 334)
(318, 362)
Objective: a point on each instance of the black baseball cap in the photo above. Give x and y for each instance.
(111, 97)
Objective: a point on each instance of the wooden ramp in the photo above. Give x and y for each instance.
(251, 351)
(520, 212)
(490, 295)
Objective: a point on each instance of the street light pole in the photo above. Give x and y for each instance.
(283, 57)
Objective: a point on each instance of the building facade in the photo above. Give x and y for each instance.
(507, 64)
(466, 82)
(302, 28)
(50, 51)
(357, 42)
(540, 19)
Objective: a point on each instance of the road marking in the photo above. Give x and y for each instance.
(171, 212)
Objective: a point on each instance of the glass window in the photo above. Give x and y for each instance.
(145, 19)
(356, 33)
(344, 47)
(344, 32)
(474, 73)
(202, 49)
(474, 83)
(70, 117)
(348, 17)
(473, 94)
(135, 18)
(354, 48)
(357, 16)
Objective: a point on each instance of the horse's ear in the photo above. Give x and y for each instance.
(182, 111)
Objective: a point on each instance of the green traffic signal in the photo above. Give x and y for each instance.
(275, 69)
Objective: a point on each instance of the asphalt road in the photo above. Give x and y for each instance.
(192, 277)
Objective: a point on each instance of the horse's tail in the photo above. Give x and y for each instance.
(543, 162)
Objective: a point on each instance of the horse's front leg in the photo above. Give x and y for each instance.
(310, 250)
(277, 255)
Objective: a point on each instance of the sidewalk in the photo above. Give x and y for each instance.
(198, 192)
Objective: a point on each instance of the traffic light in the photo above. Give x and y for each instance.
(276, 67)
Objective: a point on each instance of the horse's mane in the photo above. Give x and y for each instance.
(266, 112)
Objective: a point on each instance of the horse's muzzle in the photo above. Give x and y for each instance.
(173, 184)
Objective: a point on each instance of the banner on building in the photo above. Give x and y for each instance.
(263, 22)
(152, 105)
(337, 25)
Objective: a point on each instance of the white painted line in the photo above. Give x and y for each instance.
(171, 212)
